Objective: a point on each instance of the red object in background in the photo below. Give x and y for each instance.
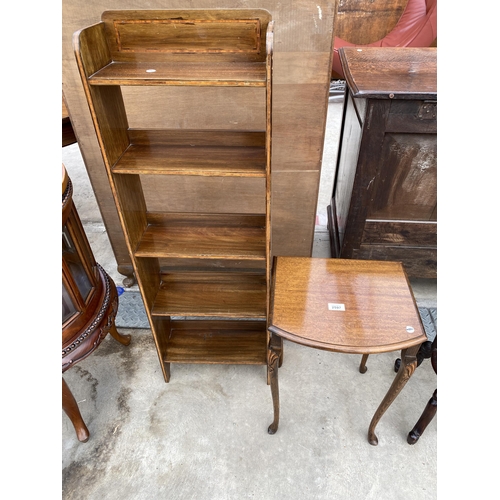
(417, 27)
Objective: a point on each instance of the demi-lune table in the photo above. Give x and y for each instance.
(347, 306)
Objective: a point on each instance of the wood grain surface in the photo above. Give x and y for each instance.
(367, 21)
(302, 45)
(226, 342)
(379, 311)
(193, 236)
(182, 74)
(391, 73)
(226, 295)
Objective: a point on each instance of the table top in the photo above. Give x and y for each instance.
(391, 72)
(344, 305)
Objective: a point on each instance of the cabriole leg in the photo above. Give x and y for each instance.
(123, 339)
(71, 409)
(408, 365)
(272, 363)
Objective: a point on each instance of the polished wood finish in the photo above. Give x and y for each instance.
(90, 302)
(202, 263)
(273, 361)
(187, 159)
(408, 366)
(391, 72)
(384, 200)
(348, 306)
(201, 236)
(211, 34)
(70, 407)
(378, 302)
(221, 342)
(431, 408)
(212, 294)
(302, 60)
(424, 352)
(183, 74)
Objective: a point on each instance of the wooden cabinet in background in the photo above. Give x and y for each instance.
(203, 274)
(384, 202)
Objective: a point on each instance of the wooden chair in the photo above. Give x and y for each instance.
(431, 408)
(417, 27)
(427, 350)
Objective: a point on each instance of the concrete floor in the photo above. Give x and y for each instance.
(204, 435)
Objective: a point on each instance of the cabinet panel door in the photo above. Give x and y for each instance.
(406, 188)
(418, 262)
(394, 232)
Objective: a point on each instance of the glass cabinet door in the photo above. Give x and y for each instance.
(68, 307)
(75, 265)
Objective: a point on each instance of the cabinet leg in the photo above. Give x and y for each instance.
(128, 272)
(123, 339)
(272, 363)
(408, 365)
(71, 409)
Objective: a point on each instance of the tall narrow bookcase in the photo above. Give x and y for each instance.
(204, 277)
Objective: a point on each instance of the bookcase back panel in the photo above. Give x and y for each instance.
(196, 194)
(175, 107)
(162, 35)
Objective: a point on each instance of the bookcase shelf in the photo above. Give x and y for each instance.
(216, 236)
(221, 295)
(192, 160)
(225, 342)
(212, 74)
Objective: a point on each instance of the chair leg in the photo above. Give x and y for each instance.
(362, 366)
(71, 409)
(424, 420)
(431, 407)
(424, 352)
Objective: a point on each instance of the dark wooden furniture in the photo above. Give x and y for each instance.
(348, 306)
(204, 276)
(431, 408)
(384, 201)
(89, 302)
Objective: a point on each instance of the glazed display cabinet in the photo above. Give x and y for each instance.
(89, 302)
